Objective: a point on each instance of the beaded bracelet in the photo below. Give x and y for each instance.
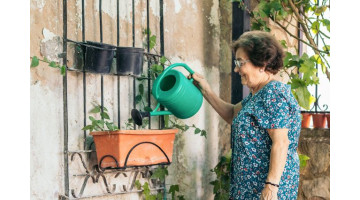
(273, 184)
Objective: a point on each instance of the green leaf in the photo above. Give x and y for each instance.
(319, 10)
(203, 133)
(104, 115)
(315, 27)
(34, 61)
(303, 158)
(303, 96)
(163, 59)
(326, 23)
(160, 173)
(96, 109)
(327, 48)
(148, 109)
(317, 58)
(141, 89)
(88, 127)
(63, 70)
(53, 64)
(283, 43)
(138, 184)
(146, 189)
(152, 41)
(180, 197)
(323, 67)
(197, 130)
(186, 127)
(173, 189)
(138, 99)
(109, 125)
(92, 118)
(287, 58)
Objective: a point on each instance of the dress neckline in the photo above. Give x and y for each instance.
(262, 88)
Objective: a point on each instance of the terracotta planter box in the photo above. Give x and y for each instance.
(126, 148)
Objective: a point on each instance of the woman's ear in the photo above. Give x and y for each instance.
(262, 69)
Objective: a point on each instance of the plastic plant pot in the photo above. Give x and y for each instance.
(129, 60)
(319, 120)
(306, 119)
(98, 57)
(127, 148)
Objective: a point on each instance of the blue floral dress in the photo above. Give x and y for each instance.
(272, 107)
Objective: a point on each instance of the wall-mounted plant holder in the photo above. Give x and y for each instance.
(98, 57)
(129, 148)
(129, 60)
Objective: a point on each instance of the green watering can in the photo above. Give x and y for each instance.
(175, 92)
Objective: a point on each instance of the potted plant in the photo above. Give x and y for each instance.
(126, 148)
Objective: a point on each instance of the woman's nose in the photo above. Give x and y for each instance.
(236, 69)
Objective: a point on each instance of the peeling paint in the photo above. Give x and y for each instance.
(51, 45)
(214, 17)
(155, 7)
(108, 7)
(193, 4)
(48, 35)
(38, 4)
(177, 6)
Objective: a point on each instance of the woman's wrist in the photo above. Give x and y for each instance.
(272, 187)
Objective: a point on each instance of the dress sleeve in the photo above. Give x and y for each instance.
(245, 100)
(273, 109)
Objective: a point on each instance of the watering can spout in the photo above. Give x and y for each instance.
(138, 116)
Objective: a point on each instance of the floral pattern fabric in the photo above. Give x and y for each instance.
(272, 107)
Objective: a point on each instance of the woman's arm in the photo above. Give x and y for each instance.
(278, 155)
(226, 110)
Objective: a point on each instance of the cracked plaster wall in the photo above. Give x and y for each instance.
(196, 32)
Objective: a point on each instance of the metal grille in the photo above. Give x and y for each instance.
(100, 174)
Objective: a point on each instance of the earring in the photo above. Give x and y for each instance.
(261, 70)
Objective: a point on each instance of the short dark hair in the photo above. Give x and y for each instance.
(262, 49)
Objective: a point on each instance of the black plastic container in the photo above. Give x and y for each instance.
(98, 57)
(129, 60)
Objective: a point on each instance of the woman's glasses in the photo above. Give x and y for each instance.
(240, 63)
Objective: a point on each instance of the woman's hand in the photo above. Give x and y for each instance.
(269, 193)
(200, 82)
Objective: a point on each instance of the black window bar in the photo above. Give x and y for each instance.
(65, 99)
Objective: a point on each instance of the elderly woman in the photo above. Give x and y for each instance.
(265, 125)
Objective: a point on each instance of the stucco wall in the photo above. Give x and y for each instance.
(196, 32)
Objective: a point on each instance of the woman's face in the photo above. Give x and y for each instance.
(250, 74)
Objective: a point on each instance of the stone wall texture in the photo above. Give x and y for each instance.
(315, 177)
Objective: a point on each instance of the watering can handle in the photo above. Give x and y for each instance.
(176, 65)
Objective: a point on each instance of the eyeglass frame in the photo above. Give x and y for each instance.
(240, 63)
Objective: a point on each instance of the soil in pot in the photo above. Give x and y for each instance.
(139, 147)
(129, 60)
(319, 120)
(98, 57)
(306, 119)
